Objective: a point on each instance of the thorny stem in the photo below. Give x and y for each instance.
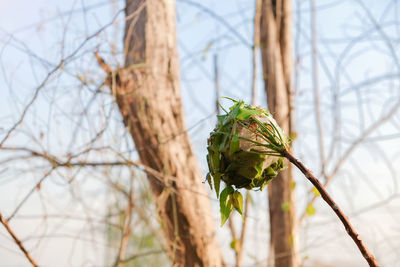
(17, 241)
(343, 218)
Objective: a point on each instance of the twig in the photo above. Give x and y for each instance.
(318, 120)
(126, 231)
(219, 19)
(352, 147)
(142, 254)
(61, 65)
(256, 45)
(27, 196)
(343, 218)
(216, 81)
(17, 241)
(240, 242)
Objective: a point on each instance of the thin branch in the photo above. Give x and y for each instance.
(216, 80)
(27, 196)
(256, 45)
(352, 147)
(316, 86)
(219, 19)
(147, 253)
(4, 222)
(240, 242)
(343, 218)
(126, 231)
(60, 65)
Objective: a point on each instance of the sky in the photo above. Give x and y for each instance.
(354, 63)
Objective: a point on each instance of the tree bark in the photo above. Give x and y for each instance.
(276, 51)
(147, 91)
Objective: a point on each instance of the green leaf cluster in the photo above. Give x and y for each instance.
(244, 151)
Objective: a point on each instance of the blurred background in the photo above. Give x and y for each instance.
(66, 178)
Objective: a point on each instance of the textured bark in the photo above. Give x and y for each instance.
(147, 91)
(276, 50)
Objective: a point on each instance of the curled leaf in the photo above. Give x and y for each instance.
(226, 203)
(238, 202)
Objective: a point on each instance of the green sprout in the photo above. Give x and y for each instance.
(244, 151)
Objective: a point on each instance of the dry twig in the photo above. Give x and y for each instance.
(4, 222)
(343, 218)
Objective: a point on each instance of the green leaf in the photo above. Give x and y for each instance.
(285, 206)
(238, 202)
(220, 119)
(226, 204)
(217, 182)
(259, 169)
(209, 180)
(270, 172)
(246, 113)
(235, 109)
(310, 210)
(235, 144)
(233, 244)
(215, 160)
(210, 167)
(281, 164)
(223, 146)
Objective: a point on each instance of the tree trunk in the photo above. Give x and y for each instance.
(276, 50)
(147, 91)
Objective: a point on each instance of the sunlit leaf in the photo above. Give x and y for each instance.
(245, 114)
(226, 204)
(238, 202)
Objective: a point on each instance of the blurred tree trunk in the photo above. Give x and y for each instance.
(147, 91)
(276, 50)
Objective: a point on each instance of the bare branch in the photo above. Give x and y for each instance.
(219, 19)
(240, 242)
(343, 218)
(126, 231)
(4, 222)
(316, 86)
(256, 45)
(60, 65)
(352, 147)
(147, 253)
